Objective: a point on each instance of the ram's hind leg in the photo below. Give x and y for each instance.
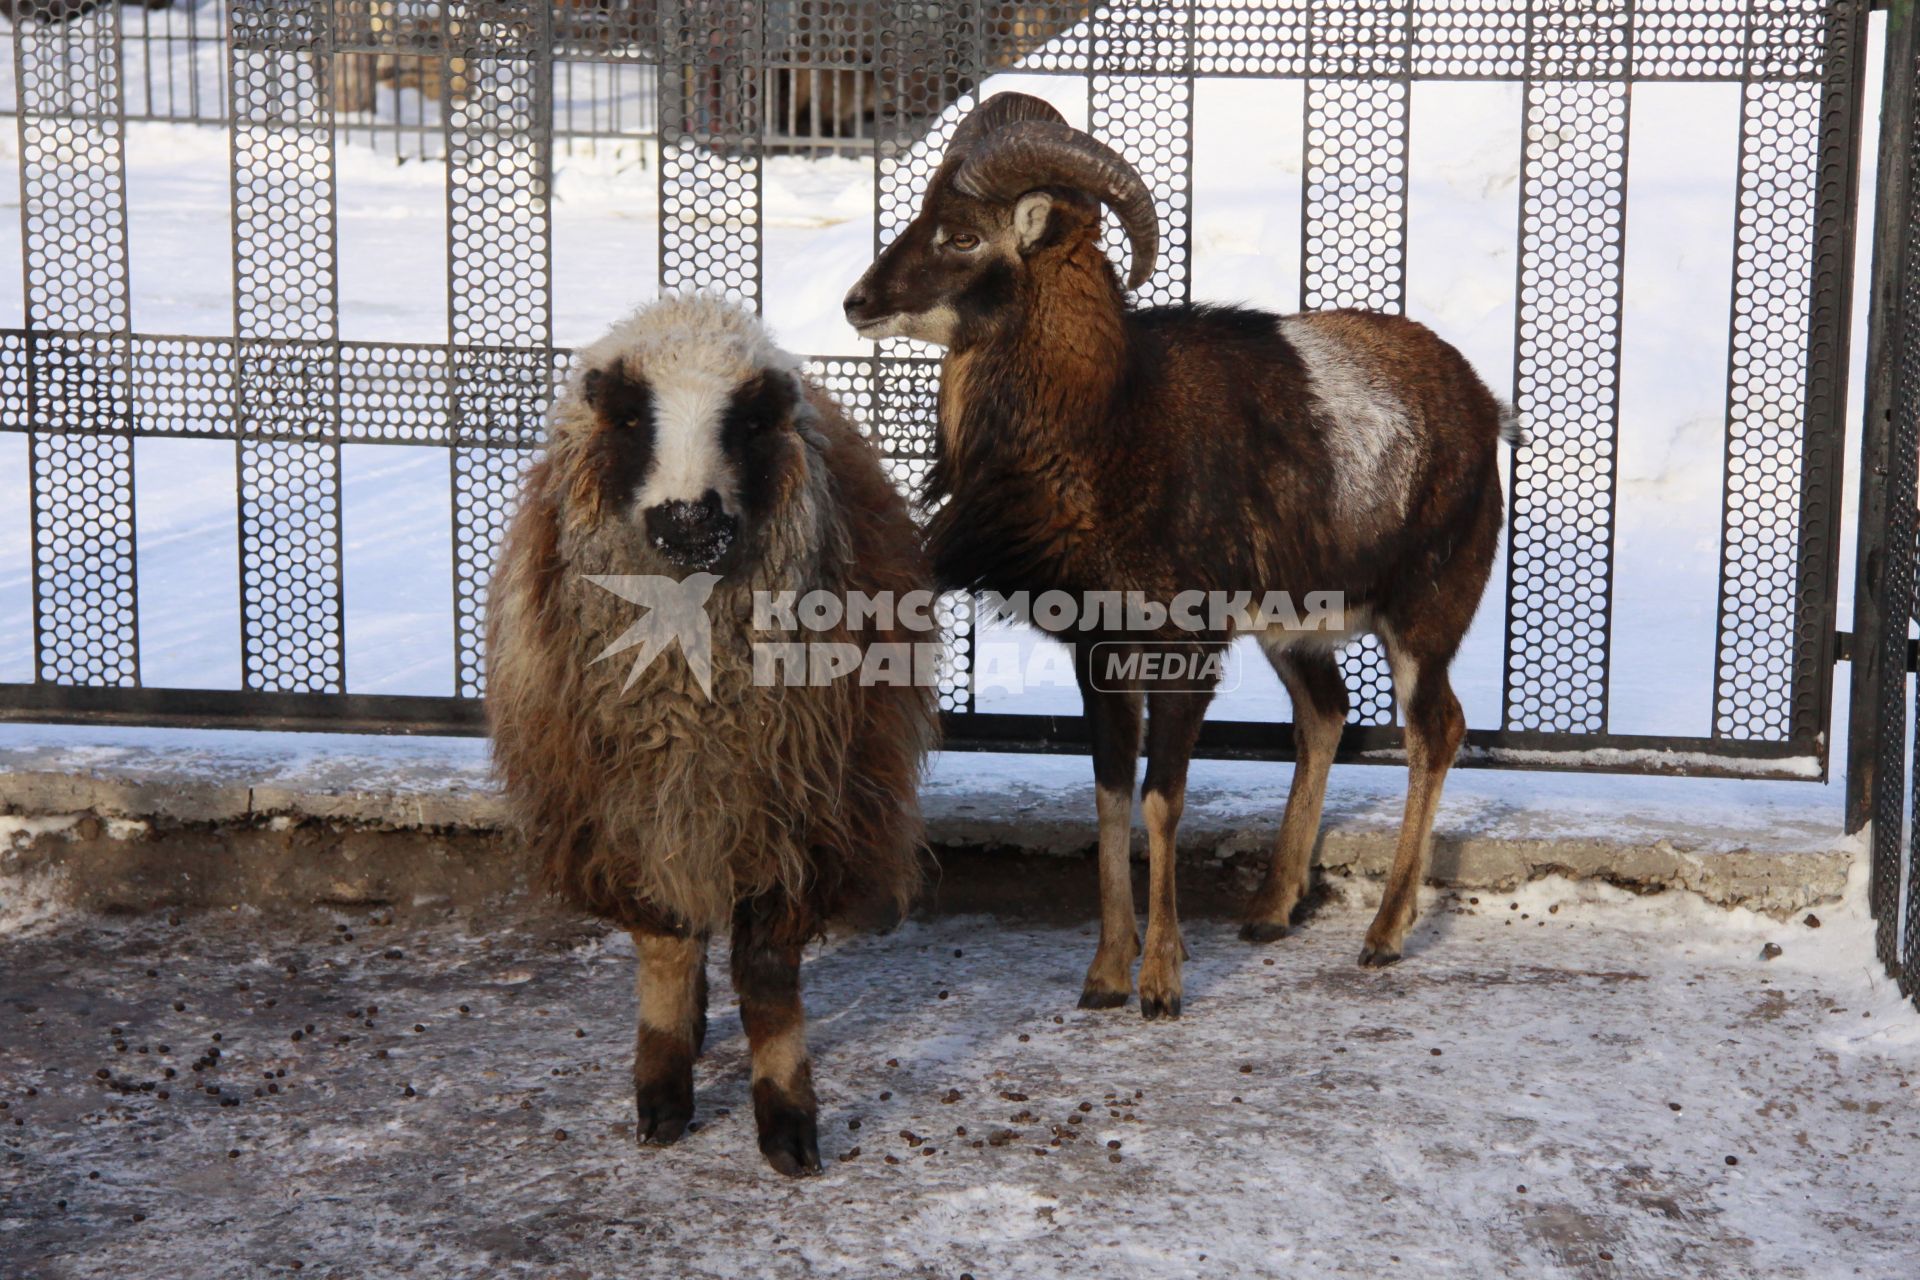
(767, 941)
(1173, 726)
(1434, 729)
(672, 983)
(1312, 677)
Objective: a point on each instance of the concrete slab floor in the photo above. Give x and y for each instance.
(1563, 1080)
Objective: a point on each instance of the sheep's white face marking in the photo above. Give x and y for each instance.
(689, 457)
(1369, 433)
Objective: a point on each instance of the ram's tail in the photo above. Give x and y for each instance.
(1510, 429)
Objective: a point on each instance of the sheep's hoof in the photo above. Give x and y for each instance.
(662, 1110)
(790, 1140)
(1154, 1008)
(1378, 957)
(1262, 931)
(1100, 998)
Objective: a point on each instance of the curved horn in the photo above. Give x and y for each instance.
(997, 112)
(1030, 154)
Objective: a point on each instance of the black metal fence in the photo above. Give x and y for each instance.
(489, 83)
(1880, 787)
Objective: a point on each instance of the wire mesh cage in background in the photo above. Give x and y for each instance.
(485, 94)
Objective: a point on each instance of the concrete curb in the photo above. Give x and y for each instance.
(361, 820)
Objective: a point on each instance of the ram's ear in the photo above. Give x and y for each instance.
(1030, 215)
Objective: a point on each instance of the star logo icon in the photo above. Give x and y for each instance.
(676, 613)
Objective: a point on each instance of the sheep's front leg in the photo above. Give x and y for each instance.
(1173, 726)
(1114, 719)
(672, 982)
(766, 976)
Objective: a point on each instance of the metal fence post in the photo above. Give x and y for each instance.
(1875, 612)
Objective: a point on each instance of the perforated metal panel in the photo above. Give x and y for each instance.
(1567, 388)
(290, 567)
(1888, 603)
(711, 108)
(485, 484)
(1354, 253)
(1903, 480)
(286, 318)
(83, 562)
(73, 192)
(1766, 411)
(499, 283)
(1149, 120)
(492, 83)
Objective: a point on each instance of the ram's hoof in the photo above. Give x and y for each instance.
(1262, 931)
(662, 1111)
(790, 1140)
(1372, 957)
(1154, 1008)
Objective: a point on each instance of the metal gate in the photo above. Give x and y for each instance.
(1880, 787)
(725, 88)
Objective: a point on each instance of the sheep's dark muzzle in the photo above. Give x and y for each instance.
(691, 535)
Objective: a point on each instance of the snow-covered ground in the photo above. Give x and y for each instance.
(818, 235)
(1561, 1082)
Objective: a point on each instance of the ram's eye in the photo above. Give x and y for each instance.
(965, 242)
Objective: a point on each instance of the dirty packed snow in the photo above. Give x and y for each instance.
(1561, 1082)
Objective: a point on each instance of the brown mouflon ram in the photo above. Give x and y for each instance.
(688, 449)
(1087, 446)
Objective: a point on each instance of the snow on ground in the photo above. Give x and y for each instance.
(1562, 1082)
(1704, 815)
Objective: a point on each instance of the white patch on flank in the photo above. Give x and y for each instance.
(1276, 640)
(687, 457)
(1368, 434)
(1405, 672)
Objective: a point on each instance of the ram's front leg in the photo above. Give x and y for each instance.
(672, 982)
(766, 977)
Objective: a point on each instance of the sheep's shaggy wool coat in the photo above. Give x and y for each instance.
(658, 806)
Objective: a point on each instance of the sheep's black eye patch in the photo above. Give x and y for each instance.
(750, 435)
(623, 446)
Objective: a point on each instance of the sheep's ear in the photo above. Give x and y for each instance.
(1030, 215)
